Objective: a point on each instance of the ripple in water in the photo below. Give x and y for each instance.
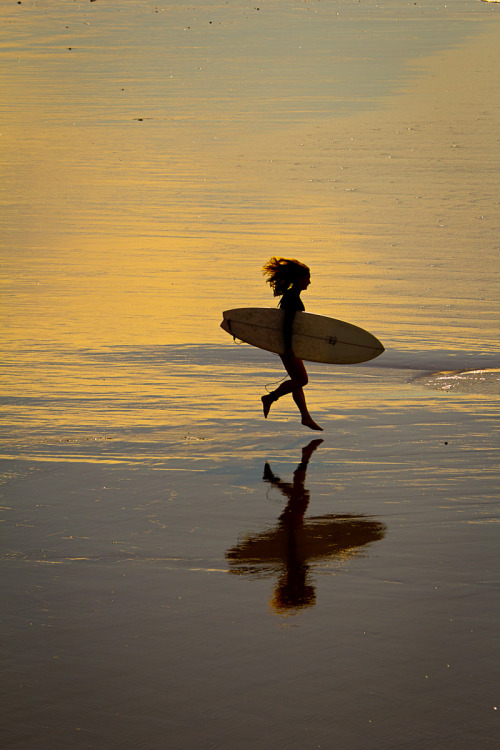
(485, 382)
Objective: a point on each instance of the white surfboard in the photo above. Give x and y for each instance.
(314, 337)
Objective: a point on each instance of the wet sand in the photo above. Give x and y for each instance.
(178, 571)
(168, 600)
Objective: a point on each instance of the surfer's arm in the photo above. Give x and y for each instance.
(288, 328)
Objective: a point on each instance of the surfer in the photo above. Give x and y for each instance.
(288, 278)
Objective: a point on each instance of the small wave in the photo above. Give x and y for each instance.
(485, 382)
(436, 360)
(431, 360)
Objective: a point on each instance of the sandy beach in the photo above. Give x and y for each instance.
(178, 571)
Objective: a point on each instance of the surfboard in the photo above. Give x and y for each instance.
(315, 338)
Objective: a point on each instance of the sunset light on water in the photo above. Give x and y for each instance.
(182, 572)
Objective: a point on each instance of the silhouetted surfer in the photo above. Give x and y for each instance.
(288, 278)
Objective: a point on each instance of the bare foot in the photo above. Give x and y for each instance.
(268, 474)
(266, 403)
(311, 424)
(309, 449)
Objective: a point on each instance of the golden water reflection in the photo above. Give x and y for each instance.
(134, 204)
(288, 549)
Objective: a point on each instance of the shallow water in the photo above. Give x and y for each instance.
(182, 572)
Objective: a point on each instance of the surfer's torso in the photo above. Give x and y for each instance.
(291, 301)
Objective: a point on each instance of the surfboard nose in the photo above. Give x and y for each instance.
(226, 325)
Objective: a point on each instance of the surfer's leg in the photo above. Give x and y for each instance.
(300, 400)
(298, 379)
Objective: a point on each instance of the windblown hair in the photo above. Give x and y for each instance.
(283, 273)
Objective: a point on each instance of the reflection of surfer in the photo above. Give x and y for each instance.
(290, 548)
(295, 492)
(292, 589)
(288, 278)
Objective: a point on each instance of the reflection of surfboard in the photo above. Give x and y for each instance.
(318, 538)
(315, 337)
